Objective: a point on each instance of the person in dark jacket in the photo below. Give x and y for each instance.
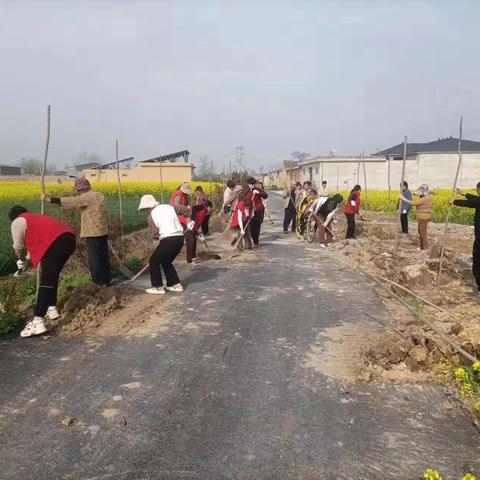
(324, 209)
(256, 195)
(406, 207)
(352, 208)
(290, 212)
(473, 201)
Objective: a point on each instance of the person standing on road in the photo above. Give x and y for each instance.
(255, 196)
(226, 196)
(93, 226)
(240, 223)
(424, 207)
(473, 201)
(171, 237)
(323, 191)
(290, 212)
(49, 242)
(352, 208)
(405, 207)
(307, 186)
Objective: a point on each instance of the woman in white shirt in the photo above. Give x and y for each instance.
(170, 233)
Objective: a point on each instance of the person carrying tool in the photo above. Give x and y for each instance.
(171, 237)
(93, 226)
(324, 210)
(473, 201)
(290, 212)
(202, 199)
(405, 207)
(352, 208)
(240, 223)
(424, 206)
(307, 186)
(49, 242)
(256, 195)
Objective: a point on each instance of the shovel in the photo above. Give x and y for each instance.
(123, 269)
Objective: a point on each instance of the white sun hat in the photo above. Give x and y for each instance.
(147, 201)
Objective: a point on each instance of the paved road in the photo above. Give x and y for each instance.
(223, 391)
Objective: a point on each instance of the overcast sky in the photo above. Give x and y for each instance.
(272, 76)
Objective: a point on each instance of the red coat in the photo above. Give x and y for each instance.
(256, 198)
(41, 232)
(352, 205)
(199, 212)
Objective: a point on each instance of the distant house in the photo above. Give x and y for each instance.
(436, 162)
(8, 170)
(163, 168)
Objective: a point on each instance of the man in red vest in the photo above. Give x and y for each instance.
(50, 243)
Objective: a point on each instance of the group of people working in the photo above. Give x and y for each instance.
(302, 202)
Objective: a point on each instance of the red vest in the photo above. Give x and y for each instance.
(41, 232)
(239, 208)
(183, 201)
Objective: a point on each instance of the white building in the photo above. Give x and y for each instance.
(434, 163)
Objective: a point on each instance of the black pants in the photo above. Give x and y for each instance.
(476, 262)
(163, 256)
(99, 260)
(191, 242)
(290, 216)
(51, 265)
(256, 226)
(350, 225)
(404, 220)
(205, 225)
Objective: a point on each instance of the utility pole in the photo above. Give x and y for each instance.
(240, 153)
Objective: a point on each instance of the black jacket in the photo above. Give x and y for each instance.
(472, 201)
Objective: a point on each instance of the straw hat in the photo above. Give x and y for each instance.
(82, 184)
(185, 188)
(147, 201)
(423, 190)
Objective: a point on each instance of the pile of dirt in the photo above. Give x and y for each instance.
(414, 347)
(87, 307)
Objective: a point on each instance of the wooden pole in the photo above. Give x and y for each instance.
(365, 181)
(358, 171)
(42, 185)
(389, 166)
(449, 211)
(120, 194)
(211, 180)
(161, 183)
(399, 212)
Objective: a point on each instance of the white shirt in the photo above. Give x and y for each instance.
(226, 195)
(167, 222)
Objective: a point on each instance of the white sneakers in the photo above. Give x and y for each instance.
(162, 291)
(34, 327)
(156, 291)
(52, 313)
(176, 288)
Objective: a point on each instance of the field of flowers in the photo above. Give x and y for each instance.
(28, 193)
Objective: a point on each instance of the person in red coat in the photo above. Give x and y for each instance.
(50, 243)
(240, 224)
(256, 195)
(352, 208)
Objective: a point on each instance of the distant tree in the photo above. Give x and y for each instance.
(299, 156)
(31, 166)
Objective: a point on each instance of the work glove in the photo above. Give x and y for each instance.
(256, 191)
(21, 265)
(190, 225)
(201, 237)
(242, 232)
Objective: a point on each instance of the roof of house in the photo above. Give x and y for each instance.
(289, 164)
(441, 145)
